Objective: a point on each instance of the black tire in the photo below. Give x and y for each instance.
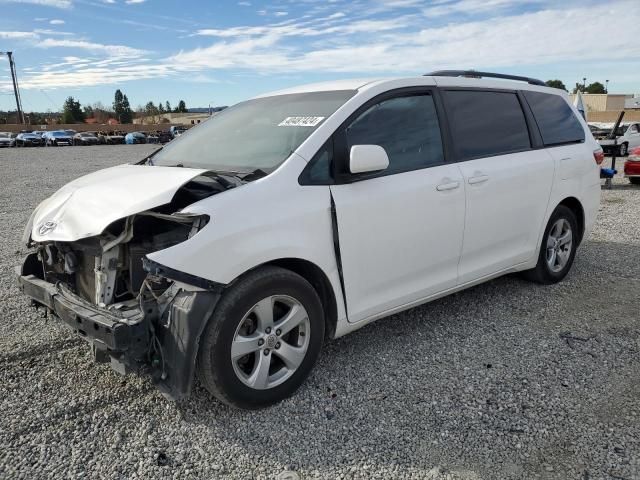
(542, 273)
(623, 150)
(215, 367)
(635, 180)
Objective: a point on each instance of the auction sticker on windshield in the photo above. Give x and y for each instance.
(300, 121)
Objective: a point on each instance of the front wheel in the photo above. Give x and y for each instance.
(558, 248)
(263, 339)
(635, 180)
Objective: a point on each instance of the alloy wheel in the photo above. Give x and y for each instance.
(270, 342)
(559, 245)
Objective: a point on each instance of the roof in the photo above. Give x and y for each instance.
(349, 84)
(360, 84)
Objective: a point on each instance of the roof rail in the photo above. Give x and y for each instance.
(474, 74)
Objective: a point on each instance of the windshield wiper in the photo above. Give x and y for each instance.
(255, 175)
(147, 160)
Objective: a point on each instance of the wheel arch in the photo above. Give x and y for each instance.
(319, 281)
(576, 207)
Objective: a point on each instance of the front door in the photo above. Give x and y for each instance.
(400, 231)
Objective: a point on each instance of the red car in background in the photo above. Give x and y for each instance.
(632, 166)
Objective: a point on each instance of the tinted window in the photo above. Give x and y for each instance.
(555, 118)
(406, 127)
(318, 171)
(486, 123)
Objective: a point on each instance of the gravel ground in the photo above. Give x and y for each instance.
(507, 380)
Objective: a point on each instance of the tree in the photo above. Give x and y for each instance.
(160, 108)
(127, 114)
(181, 108)
(88, 111)
(117, 103)
(556, 84)
(151, 111)
(167, 107)
(595, 87)
(72, 111)
(122, 108)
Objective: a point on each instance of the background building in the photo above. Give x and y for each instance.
(605, 107)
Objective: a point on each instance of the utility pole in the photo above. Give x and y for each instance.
(16, 91)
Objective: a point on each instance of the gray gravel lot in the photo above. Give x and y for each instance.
(505, 380)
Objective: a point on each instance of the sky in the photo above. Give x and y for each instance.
(221, 52)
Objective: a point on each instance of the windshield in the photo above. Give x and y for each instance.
(257, 134)
(4, 135)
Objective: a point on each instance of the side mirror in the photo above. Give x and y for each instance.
(367, 158)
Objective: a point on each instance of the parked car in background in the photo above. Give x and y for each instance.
(134, 138)
(71, 132)
(627, 137)
(632, 166)
(28, 139)
(7, 139)
(101, 140)
(40, 133)
(237, 249)
(111, 137)
(85, 139)
(152, 137)
(164, 136)
(176, 131)
(57, 138)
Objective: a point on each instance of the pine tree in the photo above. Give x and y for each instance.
(127, 114)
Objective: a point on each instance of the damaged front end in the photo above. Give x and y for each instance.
(136, 314)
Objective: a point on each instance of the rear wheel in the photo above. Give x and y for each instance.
(635, 180)
(558, 248)
(263, 339)
(623, 150)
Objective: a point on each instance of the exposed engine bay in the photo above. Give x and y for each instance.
(134, 313)
(108, 269)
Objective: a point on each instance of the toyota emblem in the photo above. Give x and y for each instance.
(47, 227)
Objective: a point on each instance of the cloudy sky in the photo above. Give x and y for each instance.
(221, 52)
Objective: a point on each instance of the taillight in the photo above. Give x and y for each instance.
(598, 156)
(634, 155)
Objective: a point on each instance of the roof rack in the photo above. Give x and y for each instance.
(475, 74)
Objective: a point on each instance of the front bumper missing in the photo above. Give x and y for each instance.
(105, 330)
(160, 339)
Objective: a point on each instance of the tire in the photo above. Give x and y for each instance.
(623, 150)
(543, 272)
(635, 180)
(237, 382)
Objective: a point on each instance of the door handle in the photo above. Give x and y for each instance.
(478, 179)
(447, 186)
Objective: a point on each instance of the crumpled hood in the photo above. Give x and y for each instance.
(86, 206)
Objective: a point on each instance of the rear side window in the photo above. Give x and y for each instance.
(406, 127)
(555, 118)
(486, 123)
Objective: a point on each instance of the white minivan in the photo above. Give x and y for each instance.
(299, 216)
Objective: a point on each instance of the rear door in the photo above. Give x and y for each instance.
(507, 181)
(400, 230)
